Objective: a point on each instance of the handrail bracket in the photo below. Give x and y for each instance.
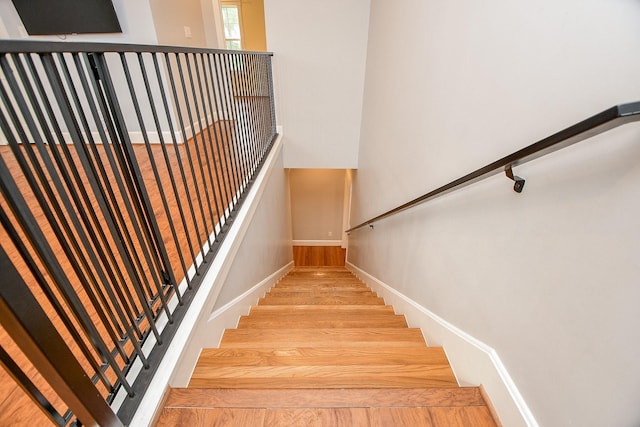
(518, 185)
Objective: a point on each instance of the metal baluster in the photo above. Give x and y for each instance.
(222, 105)
(154, 168)
(195, 143)
(91, 174)
(30, 328)
(170, 169)
(239, 131)
(216, 149)
(204, 133)
(144, 207)
(190, 161)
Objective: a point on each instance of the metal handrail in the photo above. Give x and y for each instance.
(594, 125)
(31, 46)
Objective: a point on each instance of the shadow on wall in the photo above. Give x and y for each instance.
(318, 201)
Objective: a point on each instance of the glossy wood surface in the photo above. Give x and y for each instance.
(301, 357)
(319, 256)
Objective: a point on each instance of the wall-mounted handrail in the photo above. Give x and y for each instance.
(594, 125)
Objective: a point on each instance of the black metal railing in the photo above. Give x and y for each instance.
(594, 125)
(121, 169)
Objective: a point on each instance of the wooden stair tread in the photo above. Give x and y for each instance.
(330, 300)
(461, 417)
(315, 270)
(327, 337)
(315, 293)
(323, 308)
(325, 375)
(319, 315)
(289, 283)
(309, 356)
(323, 398)
(322, 321)
(307, 279)
(319, 288)
(320, 417)
(392, 376)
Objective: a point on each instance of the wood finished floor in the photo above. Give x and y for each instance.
(16, 409)
(321, 349)
(327, 256)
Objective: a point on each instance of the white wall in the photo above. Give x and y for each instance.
(548, 278)
(134, 17)
(267, 243)
(171, 18)
(320, 52)
(213, 26)
(317, 200)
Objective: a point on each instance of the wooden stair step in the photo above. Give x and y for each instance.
(322, 349)
(320, 277)
(324, 398)
(320, 281)
(314, 287)
(477, 416)
(320, 271)
(328, 300)
(302, 279)
(320, 293)
(309, 356)
(325, 320)
(326, 337)
(311, 310)
(331, 376)
(322, 287)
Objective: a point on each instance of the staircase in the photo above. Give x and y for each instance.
(321, 349)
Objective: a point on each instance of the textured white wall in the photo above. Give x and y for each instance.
(320, 51)
(549, 278)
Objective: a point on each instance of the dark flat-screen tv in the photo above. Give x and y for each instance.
(46, 17)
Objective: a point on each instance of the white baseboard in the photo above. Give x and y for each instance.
(474, 362)
(317, 243)
(225, 317)
(228, 315)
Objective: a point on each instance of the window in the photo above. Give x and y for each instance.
(232, 26)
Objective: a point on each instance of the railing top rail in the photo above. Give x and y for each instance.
(31, 46)
(594, 125)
